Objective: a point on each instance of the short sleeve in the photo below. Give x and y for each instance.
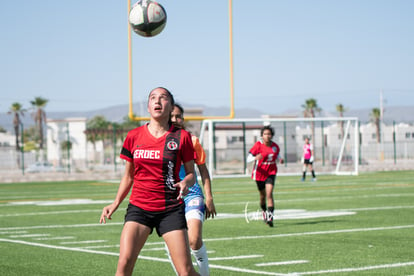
(255, 149)
(187, 150)
(199, 151)
(126, 153)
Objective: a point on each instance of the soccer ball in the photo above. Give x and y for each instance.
(147, 18)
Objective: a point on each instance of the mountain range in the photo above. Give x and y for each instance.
(397, 114)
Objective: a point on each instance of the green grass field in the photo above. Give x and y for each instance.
(340, 225)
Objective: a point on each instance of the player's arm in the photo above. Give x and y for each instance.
(280, 158)
(206, 180)
(188, 180)
(205, 177)
(251, 157)
(311, 158)
(123, 190)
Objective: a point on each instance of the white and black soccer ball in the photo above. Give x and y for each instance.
(147, 18)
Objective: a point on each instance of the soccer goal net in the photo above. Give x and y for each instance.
(335, 143)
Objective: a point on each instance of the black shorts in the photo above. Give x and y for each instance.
(307, 162)
(163, 222)
(269, 180)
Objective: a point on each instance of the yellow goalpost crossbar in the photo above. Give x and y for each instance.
(193, 118)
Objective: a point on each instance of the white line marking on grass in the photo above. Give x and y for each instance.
(29, 235)
(12, 232)
(312, 233)
(219, 216)
(353, 269)
(283, 263)
(84, 242)
(80, 201)
(377, 208)
(250, 271)
(235, 257)
(61, 226)
(50, 213)
(211, 265)
(54, 238)
(80, 250)
(102, 246)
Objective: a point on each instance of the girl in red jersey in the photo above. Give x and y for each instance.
(153, 154)
(264, 153)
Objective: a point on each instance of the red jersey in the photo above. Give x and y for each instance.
(267, 165)
(157, 164)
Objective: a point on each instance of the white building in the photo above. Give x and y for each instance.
(59, 132)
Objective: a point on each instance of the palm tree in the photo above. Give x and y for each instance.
(17, 111)
(310, 109)
(39, 117)
(96, 130)
(341, 109)
(376, 118)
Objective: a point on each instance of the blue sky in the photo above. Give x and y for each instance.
(74, 53)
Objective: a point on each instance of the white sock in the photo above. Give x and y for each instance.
(202, 260)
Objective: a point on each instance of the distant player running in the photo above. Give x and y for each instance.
(308, 159)
(264, 153)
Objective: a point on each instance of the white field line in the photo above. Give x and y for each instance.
(90, 201)
(235, 257)
(352, 269)
(312, 233)
(283, 263)
(327, 198)
(28, 236)
(105, 246)
(76, 249)
(54, 238)
(12, 232)
(98, 211)
(226, 238)
(61, 226)
(243, 270)
(84, 242)
(229, 268)
(51, 213)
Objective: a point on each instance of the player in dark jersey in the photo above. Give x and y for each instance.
(264, 153)
(154, 153)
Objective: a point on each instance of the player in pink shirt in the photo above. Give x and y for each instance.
(264, 153)
(308, 159)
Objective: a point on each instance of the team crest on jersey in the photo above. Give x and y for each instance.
(274, 149)
(172, 145)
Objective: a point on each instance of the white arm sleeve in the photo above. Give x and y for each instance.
(250, 158)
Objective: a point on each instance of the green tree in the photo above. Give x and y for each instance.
(17, 110)
(376, 120)
(341, 109)
(97, 130)
(310, 108)
(39, 117)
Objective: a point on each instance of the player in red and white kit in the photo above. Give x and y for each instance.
(308, 159)
(154, 153)
(265, 153)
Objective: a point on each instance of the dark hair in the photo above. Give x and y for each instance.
(166, 90)
(180, 107)
(269, 128)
